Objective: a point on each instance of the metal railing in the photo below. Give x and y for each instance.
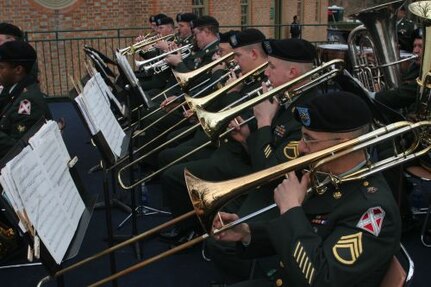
(61, 55)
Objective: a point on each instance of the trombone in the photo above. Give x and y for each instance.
(208, 197)
(209, 98)
(335, 66)
(158, 63)
(213, 122)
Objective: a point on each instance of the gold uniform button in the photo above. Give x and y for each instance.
(281, 264)
(366, 183)
(279, 282)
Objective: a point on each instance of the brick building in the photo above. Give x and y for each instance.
(85, 19)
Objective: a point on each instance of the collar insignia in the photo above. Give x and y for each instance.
(348, 248)
(372, 220)
(20, 128)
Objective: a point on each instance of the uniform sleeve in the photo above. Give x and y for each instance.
(22, 115)
(260, 244)
(399, 98)
(343, 258)
(266, 153)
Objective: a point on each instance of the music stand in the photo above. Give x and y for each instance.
(46, 258)
(108, 164)
(134, 88)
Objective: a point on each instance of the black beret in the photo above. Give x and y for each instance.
(204, 21)
(246, 37)
(17, 51)
(186, 17)
(154, 18)
(164, 21)
(294, 50)
(418, 33)
(12, 30)
(333, 112)
(225, 37)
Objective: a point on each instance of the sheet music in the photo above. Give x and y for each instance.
(101, 116)
(38, 184)
(52, 152)
(108, 93)
(42, 203)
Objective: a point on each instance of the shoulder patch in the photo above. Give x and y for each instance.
(290, 151)
(372, 220)
(348, 248)
(24, 107)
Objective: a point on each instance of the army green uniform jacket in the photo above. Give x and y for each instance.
(19, 110)
(344, 237)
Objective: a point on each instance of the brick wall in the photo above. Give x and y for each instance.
(59, 60)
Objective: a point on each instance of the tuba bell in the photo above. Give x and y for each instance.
(382, 71)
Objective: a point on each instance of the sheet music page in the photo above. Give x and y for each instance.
(107, 92)
(42, 203)
(11, 194)
(49, 146)
(102, 116)
(85, 113)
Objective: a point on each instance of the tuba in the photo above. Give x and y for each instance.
(376, 36)
(422, 10)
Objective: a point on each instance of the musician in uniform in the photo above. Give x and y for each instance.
(22, 103)
(405, 30)
(331, 236)
(10, 32)
(185, 34)
(404, 96)
(199, 137)
(205, 28)
(274, 141)
(230, 159)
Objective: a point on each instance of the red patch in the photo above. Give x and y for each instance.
(372, 220)
(24, 107)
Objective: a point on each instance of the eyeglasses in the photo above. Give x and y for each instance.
(307, 140)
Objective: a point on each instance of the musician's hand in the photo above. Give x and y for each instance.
(233, 77)
(265, 112)
(189, 114)
(162, 45)
(241, 232)
(139, 38)
(240, 132)
(168, 104)
(173, 59)
(291, 192)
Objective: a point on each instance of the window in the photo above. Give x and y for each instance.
(299, 8)
(317, 16)
(200, 7)
(244, 14)
(55, 4)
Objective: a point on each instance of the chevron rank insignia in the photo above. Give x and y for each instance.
(348, 248)
(372, 220)
(291, 150)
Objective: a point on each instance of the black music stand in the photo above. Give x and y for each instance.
(89, 200)
(133, 88)
(108, 164)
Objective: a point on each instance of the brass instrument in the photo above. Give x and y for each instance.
(184, 79)
(422, 9)
(158, 63)
(209, 197)
(135, 48)
(212, 123)
(378, 32)
(257, 70)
